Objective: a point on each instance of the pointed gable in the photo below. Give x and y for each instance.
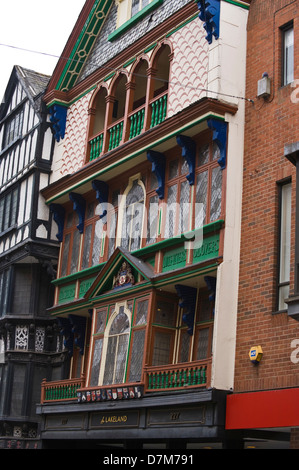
(121, 271)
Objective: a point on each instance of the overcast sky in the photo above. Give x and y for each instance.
(38, 25)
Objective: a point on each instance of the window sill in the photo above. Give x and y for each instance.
(132, 21)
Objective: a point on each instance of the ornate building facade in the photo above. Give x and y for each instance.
(148, 106)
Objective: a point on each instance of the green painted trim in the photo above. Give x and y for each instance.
(136, 154)
(109, 76)
(184, 237)
(238, 4)
(150, 48)
(132, 21)
(84, 44)
(79, 274)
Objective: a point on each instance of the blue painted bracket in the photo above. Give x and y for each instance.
(189, 153)
(188, 299)
(79, 207)
(209, 13)
(158, 167)
(59, 215)
(58, 116)
(102, 190)
(211, 284)
(66, 331)
(219, 129)
(78, 329)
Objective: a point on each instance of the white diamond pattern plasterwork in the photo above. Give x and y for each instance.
(22, 336)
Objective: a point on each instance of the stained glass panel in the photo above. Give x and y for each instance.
(204, 155)
(87, 243)
(65, 254)
(161, 352)
(202, 346)
(216, 191)
(137, 355)
(141, 313)
(201, 198)
(165, 313)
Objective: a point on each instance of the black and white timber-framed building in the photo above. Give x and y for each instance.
(28, 256)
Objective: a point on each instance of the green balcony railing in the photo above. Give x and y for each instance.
(178, 376)
(136, 123)
(96, 146)
(60, 390)
(159, 110)
(116, 133)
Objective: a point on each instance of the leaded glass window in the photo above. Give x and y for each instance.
(13, 128)
(137, 355)
(132, 216)
(117, 348)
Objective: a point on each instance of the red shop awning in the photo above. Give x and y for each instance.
(270, 409)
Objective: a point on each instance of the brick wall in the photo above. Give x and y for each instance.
(270, 125)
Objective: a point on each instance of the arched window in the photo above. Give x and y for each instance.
(116, 343)
(160, 82)
(100, 112)
(131, 217)
(140, 80)
(162, 65)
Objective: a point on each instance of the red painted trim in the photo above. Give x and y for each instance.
(271, 409)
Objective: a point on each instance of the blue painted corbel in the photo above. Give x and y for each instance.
(188, 299)
(79, 207)
(66, 331)
(158, 167)
(102, 190)
(219, 129)
(78, 329)
(211, 285)
(189, 153)
(58, 116)
(58, 215)
(209, 13)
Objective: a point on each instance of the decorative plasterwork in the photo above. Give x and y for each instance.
(209, 13)
(158, 167)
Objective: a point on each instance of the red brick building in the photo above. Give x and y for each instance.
(265, 399)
